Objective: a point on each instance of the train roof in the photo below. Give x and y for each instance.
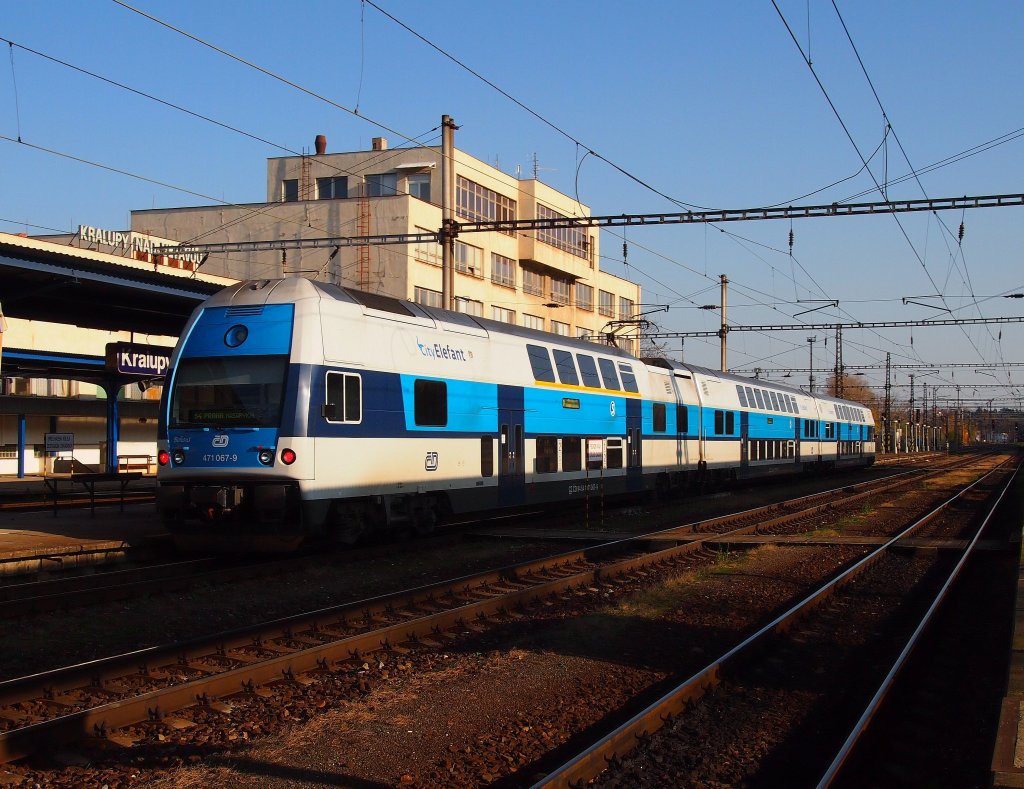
(710, 373)
(294, 288)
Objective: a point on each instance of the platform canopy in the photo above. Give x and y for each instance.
(62, 284)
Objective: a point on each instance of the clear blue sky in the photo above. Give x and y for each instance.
(710, 103)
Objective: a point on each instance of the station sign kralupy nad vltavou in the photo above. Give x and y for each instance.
(150, 361)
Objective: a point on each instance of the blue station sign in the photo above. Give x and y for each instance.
(134, 359)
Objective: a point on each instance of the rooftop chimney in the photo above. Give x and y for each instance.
(380, 143)
(321, 144)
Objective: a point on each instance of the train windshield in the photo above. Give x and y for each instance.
(241, 391)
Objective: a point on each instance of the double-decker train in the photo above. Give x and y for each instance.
(296, 407)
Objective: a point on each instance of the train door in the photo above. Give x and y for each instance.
(744, 430)
(634, 443)
(797, 431)
(511, 447)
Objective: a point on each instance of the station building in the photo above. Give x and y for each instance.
(546, 279)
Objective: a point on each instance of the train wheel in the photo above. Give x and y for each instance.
(425, 519)
(349, 527)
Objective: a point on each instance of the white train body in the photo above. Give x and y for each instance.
(300, 406)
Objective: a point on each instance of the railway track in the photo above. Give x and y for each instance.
(143, 690)
(49, 594)
(791, 651)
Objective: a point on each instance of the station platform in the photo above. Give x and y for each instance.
(1008, 759)
(34, 538)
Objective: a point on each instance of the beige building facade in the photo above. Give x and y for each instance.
(545, 279)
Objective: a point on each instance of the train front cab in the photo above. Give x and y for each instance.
(227, 462)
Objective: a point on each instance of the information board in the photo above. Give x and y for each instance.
(59, 442)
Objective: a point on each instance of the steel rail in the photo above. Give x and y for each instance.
(880, 695)
(500, 590)
(624, 739)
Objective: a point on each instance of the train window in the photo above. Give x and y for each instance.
(830, 430)
(742, 395)
(775, 401)
(750, 397)
(730, 422)
(430, 400)
(540, 361)
(588, 369)
(614, 452)
(547, 455)
(344, 398)
(608, 374)
(566, 368)
(659, 418)
(487, 456)
(719, 422)
(760, 399)
(572, 453)
(628, 379)
(793, 406)
(682, 419)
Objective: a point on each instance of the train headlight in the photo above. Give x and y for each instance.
(236, 335)
(163, 457)
(287, 456)
(266, 456)
(178, 456)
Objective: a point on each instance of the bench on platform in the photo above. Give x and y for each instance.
(143, 463)
(89, 481)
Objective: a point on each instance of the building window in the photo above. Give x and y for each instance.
(290, 190)
(560, 290)
(606, 303)
(480, 204)
(533, 322)
(568, 239)
(625, 308)
(419, 186)
(430, 403)
(469, 260)
(584, 296)
(469, 306)
(533, 283)
(560, 328)
(503, 270)
(583, 333)
(344, 398)
(503, 315)
(427, 251)
(333, 188)
(427, 297)
(382, 185)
